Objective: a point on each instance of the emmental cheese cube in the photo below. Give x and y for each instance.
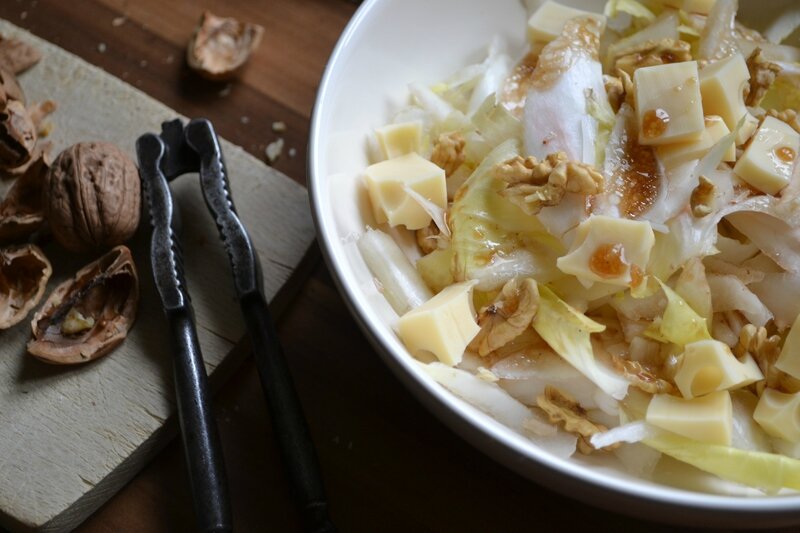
(722, 87)
(443, 326)
(399, 139)
(548, 21)
(706, 419)
(388, 183)
(672, 155)
(668, 104)
(779, 414)
(768, 161)
(709, 366)
(789, 359)
(609, 250)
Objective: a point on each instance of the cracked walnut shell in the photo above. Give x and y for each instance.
(92, 197)
(17, 135)
(17, 56)
(21, 211)
(24, 272)
(9, 88)
(89, 315)
(221, 46)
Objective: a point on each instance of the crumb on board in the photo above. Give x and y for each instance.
(245, 119)
(46, 129)
(143, 63)
(118, 21)
(169, 59)
(274, 150)
(279, 126)
(225, 91)
(101, 47)
(292, 152)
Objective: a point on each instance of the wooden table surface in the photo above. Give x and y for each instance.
(389, 465)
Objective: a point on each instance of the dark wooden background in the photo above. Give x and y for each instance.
(388, 464)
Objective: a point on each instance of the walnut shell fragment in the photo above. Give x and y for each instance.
(24, 272)
(17, 56)
(21, 211)
(92, 192)
(220, 46)
(17, 135)
(89, 315)
(9, 88)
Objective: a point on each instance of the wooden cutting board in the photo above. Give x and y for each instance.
(71, 436)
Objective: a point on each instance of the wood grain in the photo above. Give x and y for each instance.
(389, 465)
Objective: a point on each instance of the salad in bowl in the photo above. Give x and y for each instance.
(593, 237)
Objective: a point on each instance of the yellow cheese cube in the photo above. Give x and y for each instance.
(722, 85)
(709, 366)
(706, 419)
(668, 104)
(399, 139)
(768, 161)
(388, 181)
(779, 414)
(605, 249)
(443, 326)
(672, 155)
(789, 359)
(547, 22)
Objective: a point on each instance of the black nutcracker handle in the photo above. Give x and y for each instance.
(294, 439)
(199, 430)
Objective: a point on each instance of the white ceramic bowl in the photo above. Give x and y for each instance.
(388, 44)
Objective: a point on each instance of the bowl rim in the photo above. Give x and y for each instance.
(584, 484)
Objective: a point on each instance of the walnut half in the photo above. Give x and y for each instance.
(89, 315)
(762, 75)
(561, 408)
(93, 198)
(765, 349)
(508, 316)
(532, 184)
(448, 152)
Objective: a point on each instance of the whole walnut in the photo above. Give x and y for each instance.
(91, 197)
